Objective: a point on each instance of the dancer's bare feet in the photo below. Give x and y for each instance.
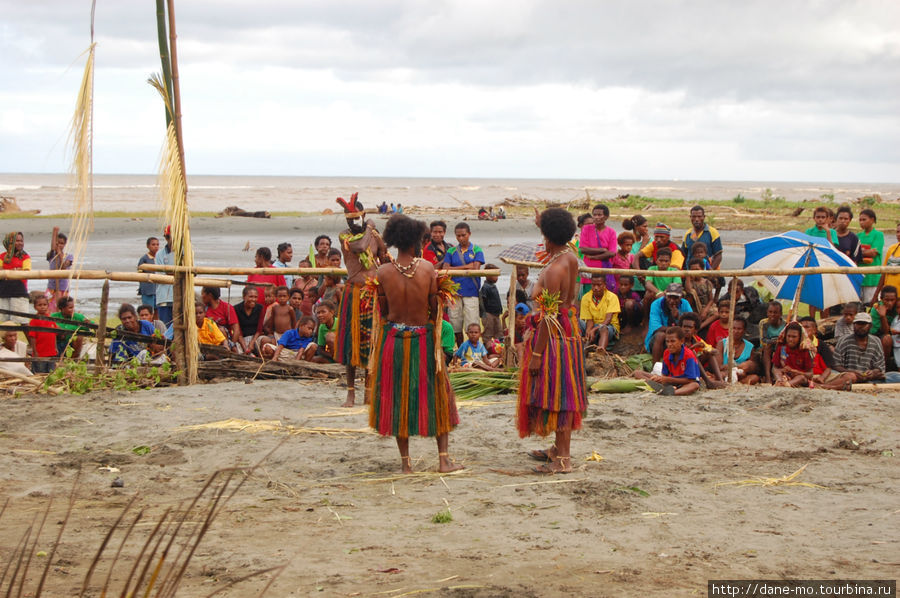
(447, 465)
(557, 465)
(543, 455)
(351, 397)
(407, 464)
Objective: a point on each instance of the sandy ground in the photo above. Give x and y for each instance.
(647, 520)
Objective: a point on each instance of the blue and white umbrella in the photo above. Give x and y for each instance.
(796, 250)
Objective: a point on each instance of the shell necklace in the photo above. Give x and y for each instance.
(554, 257)
(410, 269)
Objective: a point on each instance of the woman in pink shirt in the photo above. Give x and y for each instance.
(598, 243)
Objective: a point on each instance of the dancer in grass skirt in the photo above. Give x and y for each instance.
(552, 397)
(363, 251)
(407, 380)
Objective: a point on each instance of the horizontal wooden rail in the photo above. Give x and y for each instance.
(291, 271)
(105, 275)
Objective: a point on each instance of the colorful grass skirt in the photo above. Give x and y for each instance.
(555, 400)
(354, 329)
(409, 396)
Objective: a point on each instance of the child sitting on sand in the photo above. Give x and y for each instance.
(43, 344)
(769, 330)
(630, 308)
(701, 293)
(719, 329)
(472, 352)
(707, 355)
(325, 339)
(792, 365)
(745, 366)
(296, 302)
(680, 368)
(296, 343)
(280, 316)
(655, 285)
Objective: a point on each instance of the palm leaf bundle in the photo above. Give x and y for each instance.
(474, 384)
(620, 385)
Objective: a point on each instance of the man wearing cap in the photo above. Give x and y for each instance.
(164, 292)
(860, 353)
(701, 232)
(664, 312)
(662, 236)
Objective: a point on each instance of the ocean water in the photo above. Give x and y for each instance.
(52, 193)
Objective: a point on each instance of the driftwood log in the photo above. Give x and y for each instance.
(222, 363)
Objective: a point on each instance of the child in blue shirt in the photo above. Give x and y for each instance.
(472, 353)
(299, 342)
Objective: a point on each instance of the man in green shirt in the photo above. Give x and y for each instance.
(655, 285)
(66, 307)
(871, 243)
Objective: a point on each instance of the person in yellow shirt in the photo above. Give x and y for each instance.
(891, 258)
(208, 332)
(600, 312)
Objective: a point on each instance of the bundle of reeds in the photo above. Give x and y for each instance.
(473, 384)
(620, 385)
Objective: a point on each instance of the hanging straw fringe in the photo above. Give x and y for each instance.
(81, 136)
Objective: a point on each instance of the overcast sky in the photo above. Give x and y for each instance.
(711, 90)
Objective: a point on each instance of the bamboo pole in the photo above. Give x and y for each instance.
(508, 360)
(106, 275)
(730, 273)
(796, 302)
(100, 361)
(730, 342)
(223, 270)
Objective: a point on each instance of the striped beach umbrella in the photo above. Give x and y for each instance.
(794, 249)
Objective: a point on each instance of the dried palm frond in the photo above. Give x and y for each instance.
(81, 138)
(173, 194)
(785, 480)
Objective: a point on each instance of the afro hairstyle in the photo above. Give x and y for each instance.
(557, 225)
(404, 233)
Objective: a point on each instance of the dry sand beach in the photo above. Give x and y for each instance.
(646, 520)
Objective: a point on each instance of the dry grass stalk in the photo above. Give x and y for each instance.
(81, 137)
(787, 480)
(274, 425)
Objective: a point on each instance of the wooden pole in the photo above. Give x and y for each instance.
(509, 360)
(730, 341)
(105, 275)
(100, 361)
(221, 270)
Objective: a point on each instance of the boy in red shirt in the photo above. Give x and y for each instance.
(43, 344)
(719, 329)
(681, 370)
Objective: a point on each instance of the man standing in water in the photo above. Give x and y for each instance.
(363, 251)
(552, 397)
(407, 382)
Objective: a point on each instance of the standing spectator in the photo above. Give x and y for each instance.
(848, 242)
(263, 259)
(323, 246)
(600, 312)
(465, 256)
(820, 227)
(872, 246)
(662, 235)
(285, 255)
(14, 293)
(598, 243)
(860, 353)
(164, 292)
(437, 244)
(43, 344)
(891, 258)
(493, 307)
(703, 233)
(59, 260)
(147, 290)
